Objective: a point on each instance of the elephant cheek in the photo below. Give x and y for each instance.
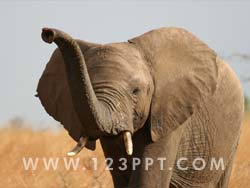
(140, 119)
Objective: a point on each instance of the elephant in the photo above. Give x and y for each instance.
(156, 98)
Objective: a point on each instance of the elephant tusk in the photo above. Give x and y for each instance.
(127, 137)
(82, 142)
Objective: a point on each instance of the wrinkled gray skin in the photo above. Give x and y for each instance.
(166, 87)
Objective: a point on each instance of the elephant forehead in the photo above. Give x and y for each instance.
(111, 73)
(113, 64)
(117, 53)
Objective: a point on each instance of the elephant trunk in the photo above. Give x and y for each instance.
(92, 114)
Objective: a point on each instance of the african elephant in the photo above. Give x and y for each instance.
(162, 95)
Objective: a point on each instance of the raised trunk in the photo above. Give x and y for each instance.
(90, 111)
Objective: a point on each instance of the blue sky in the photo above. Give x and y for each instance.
(223, 25)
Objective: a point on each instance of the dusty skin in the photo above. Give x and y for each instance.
(162, 94)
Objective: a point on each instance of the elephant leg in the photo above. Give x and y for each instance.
(163, 154)
(225, 177)
(156, 175)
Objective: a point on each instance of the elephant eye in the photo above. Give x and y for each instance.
(136, 91)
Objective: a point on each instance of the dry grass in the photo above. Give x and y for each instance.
(241, 169)
(19, 143)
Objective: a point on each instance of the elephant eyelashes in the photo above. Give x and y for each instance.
(136, 91)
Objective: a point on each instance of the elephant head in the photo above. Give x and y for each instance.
(106, 90)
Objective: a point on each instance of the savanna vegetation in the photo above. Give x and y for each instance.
(18, 143)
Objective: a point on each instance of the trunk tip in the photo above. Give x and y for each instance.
(48, 35)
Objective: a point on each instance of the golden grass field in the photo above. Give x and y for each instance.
(17, 143)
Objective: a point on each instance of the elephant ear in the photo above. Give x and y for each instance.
(184, 70)
(54, 94)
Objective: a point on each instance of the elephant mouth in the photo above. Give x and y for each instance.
(127, 139)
